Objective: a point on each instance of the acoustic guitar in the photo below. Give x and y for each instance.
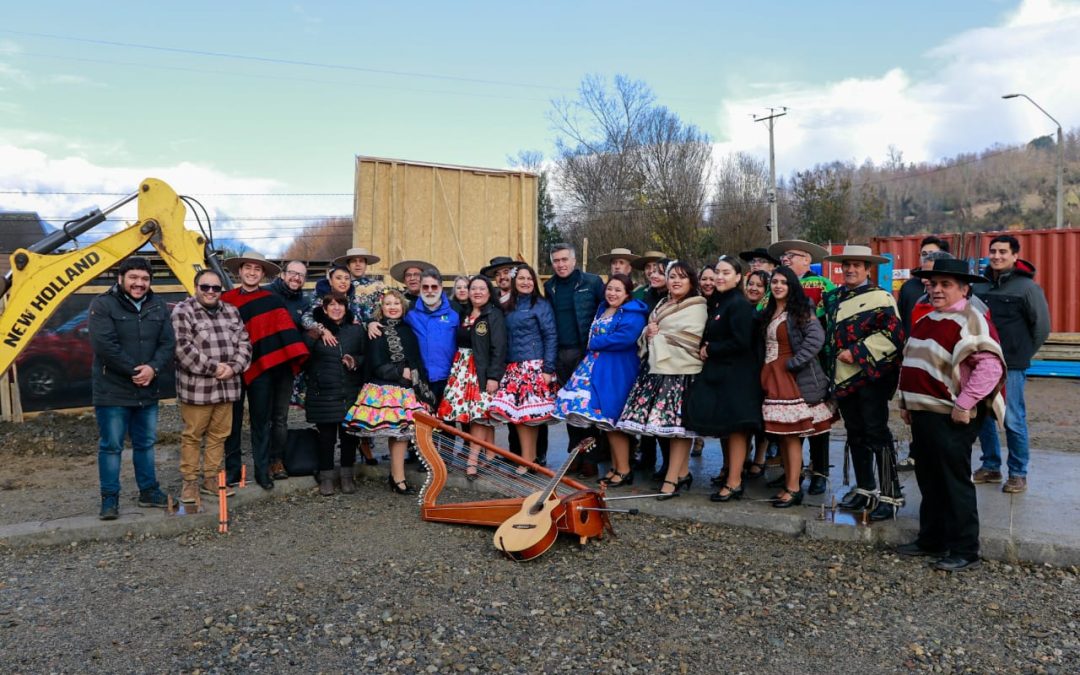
(532, 530)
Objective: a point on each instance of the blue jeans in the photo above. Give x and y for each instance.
(1016, 433)
(114, 423)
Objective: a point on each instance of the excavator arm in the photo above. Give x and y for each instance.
(40, 280)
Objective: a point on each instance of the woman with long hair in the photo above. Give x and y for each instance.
(460, 298)
(597, 391)
(796, 390)
(526, 395)
(756, 286)
(478, 367)
(725, 399)
(333, 376)
(396, 389)
(655, 403)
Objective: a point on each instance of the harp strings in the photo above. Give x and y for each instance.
(498, 473)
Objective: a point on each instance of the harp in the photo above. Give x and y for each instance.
(445, 451)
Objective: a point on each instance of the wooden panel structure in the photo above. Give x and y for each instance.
(454, 217)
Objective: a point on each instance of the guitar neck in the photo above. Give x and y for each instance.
(554, 482)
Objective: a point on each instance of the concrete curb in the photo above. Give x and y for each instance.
(997, 544)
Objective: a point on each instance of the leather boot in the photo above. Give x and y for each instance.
(326, 482)
(348, 486)
(819, 463)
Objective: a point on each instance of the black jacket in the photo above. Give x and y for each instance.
(1019, 310)
(910, 292)
(588, 290)
(331, 387)
(295, 301)
(726, 397)
(488, 338)
(124, 337)
(384, 370)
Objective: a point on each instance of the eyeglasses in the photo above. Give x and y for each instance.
(429, 287)
(210, 288)
(793, 254)
(291, 273)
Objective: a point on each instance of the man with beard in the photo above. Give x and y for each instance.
(212, 352)
(434, 322)
(290, 288)
(277, 354)
(132, 339)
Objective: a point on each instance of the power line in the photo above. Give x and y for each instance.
(201, 194)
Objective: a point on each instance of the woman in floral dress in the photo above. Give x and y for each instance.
(526, 395)
(795, 386)
(655, 404)
(478, 366)
(611, 359)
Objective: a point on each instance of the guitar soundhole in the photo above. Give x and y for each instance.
(524, 526)
(584, 515)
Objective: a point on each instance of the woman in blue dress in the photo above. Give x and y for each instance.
(611, 362)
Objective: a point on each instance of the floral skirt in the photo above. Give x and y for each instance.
(577, 403)
(383, 410)
(523, 396)
(464, 400)
(654, 406)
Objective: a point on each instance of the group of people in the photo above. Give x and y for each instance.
(754, 349)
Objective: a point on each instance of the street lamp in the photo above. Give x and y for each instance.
(1060, 159)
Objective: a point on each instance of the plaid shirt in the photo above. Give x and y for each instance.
(203, 340)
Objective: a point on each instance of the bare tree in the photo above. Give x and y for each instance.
(738, 212)
(323, 240)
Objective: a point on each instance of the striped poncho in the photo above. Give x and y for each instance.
(274, 338)
(864, 321)
(931, 376)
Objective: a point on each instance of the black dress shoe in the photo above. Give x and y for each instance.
(795, 498)
(883, 512)
(726, 494)
(956, 564)
(854, 502)
(817, 485)
(265, 482)
(913, 550)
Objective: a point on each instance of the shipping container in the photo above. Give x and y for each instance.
(1053, 253)
(454, 217)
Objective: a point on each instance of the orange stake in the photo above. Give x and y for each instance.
(243, 475)
(223, 508)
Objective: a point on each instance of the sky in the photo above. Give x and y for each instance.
(258, 109)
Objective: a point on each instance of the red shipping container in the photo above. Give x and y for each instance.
(1052, 252)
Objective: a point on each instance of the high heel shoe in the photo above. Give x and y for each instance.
(794, 499)
(471, 472)
(732, 493)
(755, 471)
(685, 482)
(400, 487)
(624, 479)
(664, 496)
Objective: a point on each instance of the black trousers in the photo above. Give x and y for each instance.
(949, 513)
(329, 435)
(262, 395)
(866, 418)
(566, 361)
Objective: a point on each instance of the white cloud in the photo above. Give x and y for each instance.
(958, 108)
(225, 196)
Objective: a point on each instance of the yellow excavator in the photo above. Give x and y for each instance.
(41, 280)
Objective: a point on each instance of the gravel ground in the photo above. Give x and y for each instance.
(360, 584)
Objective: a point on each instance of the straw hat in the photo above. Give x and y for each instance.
(857, 252)
(398, 270)
(953, 267)
(816, 252)
(497, 263)
(234, 264)
(648, 257)
(358, 252)
(615, 254)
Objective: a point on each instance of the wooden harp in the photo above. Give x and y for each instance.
(445, 451)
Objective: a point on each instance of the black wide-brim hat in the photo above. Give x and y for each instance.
(496, 264)
(953, 267)
(760, 252)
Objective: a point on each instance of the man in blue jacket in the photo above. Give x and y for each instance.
(1019, 311)
(574, 295)
(132, 337)
(434, 321)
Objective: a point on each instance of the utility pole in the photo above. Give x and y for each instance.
(1060, 159)
(774, 229)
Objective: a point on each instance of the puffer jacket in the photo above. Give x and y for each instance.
(331, 387)
(1019, 310)
(806, 343)
(588, 292)
(295, 301)
(530, 330)
(434, 329)
(124, 337)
